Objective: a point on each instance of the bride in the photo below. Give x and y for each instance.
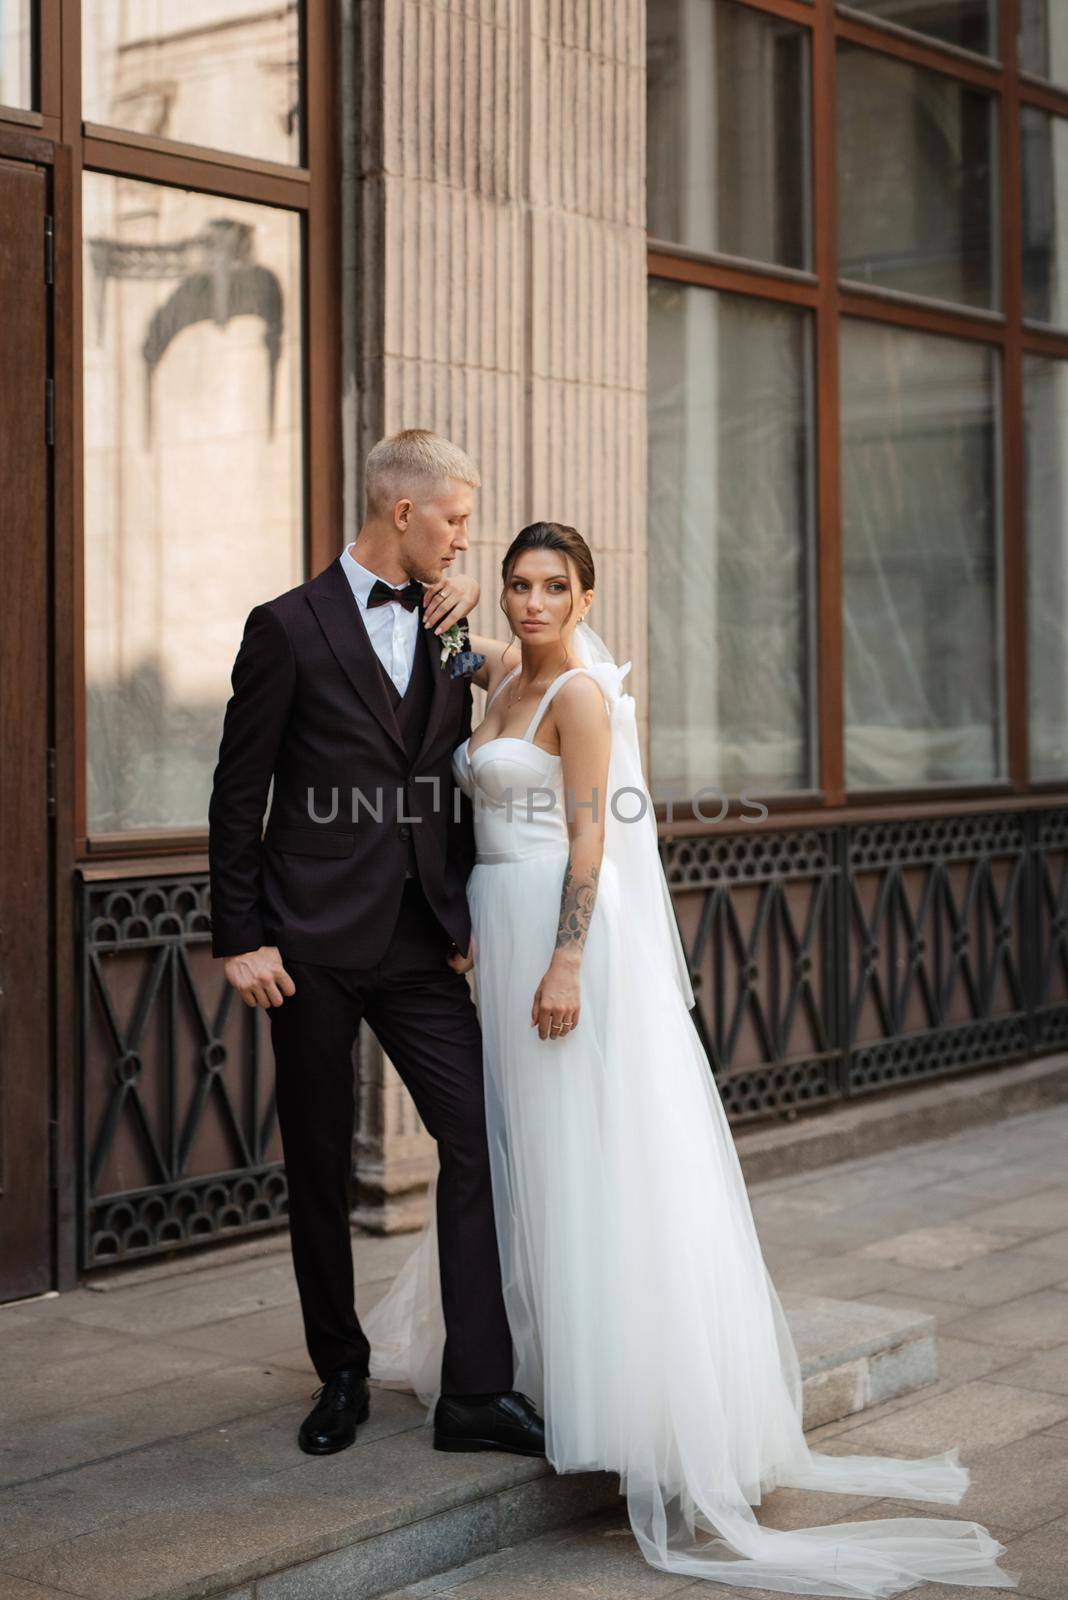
(646, 1327)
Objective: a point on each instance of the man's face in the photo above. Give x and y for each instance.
(434, 529)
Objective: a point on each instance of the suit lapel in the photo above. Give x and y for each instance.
(341, 620)
(440, 681)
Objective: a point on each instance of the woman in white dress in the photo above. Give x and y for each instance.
(645, 1324)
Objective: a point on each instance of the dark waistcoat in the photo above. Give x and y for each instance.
(411, 710)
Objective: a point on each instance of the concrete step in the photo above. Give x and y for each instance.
(234, 1511)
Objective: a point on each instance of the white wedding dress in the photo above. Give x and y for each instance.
(645, 1324)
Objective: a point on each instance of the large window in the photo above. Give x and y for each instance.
(194, 478)
(920, 589)
(196, 398)
(858, 284)
(224, 73)
(730, 507)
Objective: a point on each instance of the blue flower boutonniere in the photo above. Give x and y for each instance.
(456, 650)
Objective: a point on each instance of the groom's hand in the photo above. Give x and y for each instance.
(259, 978)
(446, 601)
(458, 962)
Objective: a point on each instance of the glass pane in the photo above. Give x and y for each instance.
(727, 139)
(921, 588)
(1044, 176)
(222, 73)
(16, 54)
(1046, 441)
(730, 541)
(193, 477)
(971, 24)
(916, 158)
(1044, 39)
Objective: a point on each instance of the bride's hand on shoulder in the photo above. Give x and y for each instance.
(447, 601)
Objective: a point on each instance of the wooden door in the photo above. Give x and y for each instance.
(25, 837)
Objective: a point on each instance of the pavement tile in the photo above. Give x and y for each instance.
(251, 1336)
(194, 1527)
(75, 1372)
(1041, 1558)
(12, 1588)
(945, 1312)
(1034, 1322)
(847, 1277)
(1045, 1211)
(961, 1359)
(597, 1562)
(123, 1422)
(973, 1415)
(952, 1244)
(1047, 1244)
(989, 1281)
(1046, 1370)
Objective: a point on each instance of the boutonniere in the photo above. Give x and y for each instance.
(456, 650)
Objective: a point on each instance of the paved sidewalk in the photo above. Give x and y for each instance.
(208, 1354)
(974, 1229)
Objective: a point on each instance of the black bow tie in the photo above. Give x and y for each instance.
(409, 597)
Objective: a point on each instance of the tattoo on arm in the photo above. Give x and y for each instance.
(577, 899)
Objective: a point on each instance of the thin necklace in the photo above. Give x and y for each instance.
(514, 699)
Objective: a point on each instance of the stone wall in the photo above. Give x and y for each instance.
(495, 291)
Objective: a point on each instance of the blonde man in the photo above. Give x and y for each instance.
(349, 907)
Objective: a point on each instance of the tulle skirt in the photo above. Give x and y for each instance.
(645, 1324)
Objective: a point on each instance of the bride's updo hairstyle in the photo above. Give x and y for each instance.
(550, 536)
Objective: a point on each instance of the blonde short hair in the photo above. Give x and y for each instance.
(411, 460)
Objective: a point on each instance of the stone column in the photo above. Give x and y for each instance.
(495, 235)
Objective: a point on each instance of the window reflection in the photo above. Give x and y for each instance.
(921, 591)
(1044, 174)
(730, 541)
(727, 130)
(970, 24)
(1046, 436)
(915, 179)
(193, 477)
(1044, 39)
(16, 54)
(222, 73)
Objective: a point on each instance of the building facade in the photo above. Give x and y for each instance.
(765, 296)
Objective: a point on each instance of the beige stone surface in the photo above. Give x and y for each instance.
(495, 269)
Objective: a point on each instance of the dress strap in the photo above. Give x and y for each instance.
(501, 685)
(546, 697)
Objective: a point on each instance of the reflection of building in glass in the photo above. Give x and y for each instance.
(224, 73)
(16, 53)
(193, 476)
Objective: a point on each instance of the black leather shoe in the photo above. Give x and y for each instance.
(507, 1422)
(331, 1425)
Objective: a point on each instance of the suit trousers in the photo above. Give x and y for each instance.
(424, 1017)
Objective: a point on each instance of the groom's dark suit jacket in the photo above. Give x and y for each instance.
(314, 709)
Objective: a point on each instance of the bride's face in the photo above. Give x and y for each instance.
(542, 599)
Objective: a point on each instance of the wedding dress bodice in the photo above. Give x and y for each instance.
(516, 789)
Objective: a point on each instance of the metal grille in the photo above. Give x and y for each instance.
(825, 963)
(179, 1137)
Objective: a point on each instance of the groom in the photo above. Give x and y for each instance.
(349, 907)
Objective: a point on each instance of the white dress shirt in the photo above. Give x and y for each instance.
(392, 628)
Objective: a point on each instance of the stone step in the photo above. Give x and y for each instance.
(235, 1512)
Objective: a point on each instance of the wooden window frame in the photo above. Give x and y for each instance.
(829, 299)
(57, 134)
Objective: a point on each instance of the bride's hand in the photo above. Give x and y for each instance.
(460, 963)
(446, 601)
(555, 1011)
